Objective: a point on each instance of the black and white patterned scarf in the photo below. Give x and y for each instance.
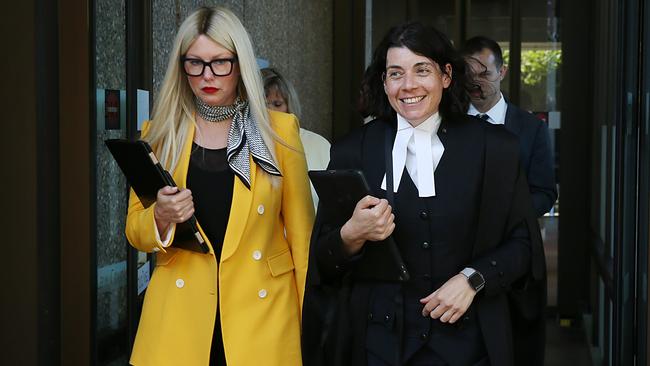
(244, 140)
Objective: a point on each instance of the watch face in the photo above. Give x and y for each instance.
(476, 280)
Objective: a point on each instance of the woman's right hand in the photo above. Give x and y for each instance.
(172, 206)
(372, 220)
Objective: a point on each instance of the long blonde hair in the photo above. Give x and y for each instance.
(174, 107)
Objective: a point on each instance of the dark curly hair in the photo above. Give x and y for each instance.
(425, 41)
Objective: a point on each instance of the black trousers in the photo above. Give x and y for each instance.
(217, 353)
(424, 357)
(529, 340)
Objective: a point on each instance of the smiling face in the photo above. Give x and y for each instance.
(213, 90)
(414, 84)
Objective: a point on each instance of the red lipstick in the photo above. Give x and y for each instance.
(209, 89)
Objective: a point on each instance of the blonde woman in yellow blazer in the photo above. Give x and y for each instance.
(257, 283)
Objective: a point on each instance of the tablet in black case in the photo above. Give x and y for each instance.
(146, 176)
(338, 193)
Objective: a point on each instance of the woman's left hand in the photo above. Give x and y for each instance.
(450, 301)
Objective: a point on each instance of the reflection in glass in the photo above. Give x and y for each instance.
(539, 92)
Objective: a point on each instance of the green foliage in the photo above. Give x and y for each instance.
(536, 64)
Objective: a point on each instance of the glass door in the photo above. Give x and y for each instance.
(642, 342)
(620, 303)
(539, 93)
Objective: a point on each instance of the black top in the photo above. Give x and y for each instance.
(211, 182)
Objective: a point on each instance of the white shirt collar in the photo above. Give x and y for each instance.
(419, 150)
(429, 125)
(497, 113)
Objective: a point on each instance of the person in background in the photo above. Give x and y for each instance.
(485, 60)
(240, 169)
(281, 96)
(461, 216)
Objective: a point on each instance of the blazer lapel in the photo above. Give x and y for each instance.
(242, 200)
(374, 156)
(512, 123)
(458, 173)
(496, 194)
(448, 139)
(240, 207)
(183, 165)
(182, 168)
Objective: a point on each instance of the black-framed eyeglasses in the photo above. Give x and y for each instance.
(219, 66)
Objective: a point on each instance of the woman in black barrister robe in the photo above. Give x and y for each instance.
(461, 216)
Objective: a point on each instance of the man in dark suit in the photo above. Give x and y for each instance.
(485, 61)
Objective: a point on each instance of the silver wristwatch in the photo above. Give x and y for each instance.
(474, 277)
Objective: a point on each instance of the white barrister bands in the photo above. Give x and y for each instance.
(419, 150)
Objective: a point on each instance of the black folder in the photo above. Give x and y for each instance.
(146, 176)
(338, 194)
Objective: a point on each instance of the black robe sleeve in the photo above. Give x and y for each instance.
(509, 246)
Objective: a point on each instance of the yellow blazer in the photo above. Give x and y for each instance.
(259, 284)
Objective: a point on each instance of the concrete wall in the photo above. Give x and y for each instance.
(111, 197)
(299, 47)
